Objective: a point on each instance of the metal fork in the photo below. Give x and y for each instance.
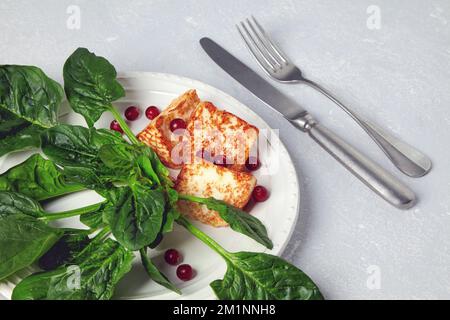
(277, 65)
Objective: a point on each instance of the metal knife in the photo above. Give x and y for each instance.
(375, 177)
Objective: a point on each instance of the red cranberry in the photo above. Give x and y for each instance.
(152, 112)
(132, 113)
(220, 161)
(260, 194)
(177, 124)
(115, 126)
(185, 272)
(172, 257)
(252, 164)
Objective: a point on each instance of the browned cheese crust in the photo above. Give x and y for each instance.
(157, 134)
(208, 180)
(213, 129)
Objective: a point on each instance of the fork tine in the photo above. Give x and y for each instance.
(265, 48)
(257, 45)
(251, 45)
(269, 42)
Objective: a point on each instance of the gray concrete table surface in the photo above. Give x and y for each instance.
(389, 60)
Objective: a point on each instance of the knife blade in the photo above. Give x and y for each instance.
(263, 90)
(370, 173)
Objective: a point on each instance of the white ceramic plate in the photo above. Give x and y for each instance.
(279, 213)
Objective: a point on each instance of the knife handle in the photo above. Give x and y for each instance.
(375, 177)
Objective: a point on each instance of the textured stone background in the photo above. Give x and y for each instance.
(353, 244)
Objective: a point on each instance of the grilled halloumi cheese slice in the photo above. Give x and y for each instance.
(208, 180)
(221, 134)
(157, 134)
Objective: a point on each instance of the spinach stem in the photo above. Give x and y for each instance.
(203, 237)
(123, 125)
(72, 213)
(103, 234)
(192, 198)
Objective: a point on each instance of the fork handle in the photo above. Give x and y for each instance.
(407, 159)
(375, 177)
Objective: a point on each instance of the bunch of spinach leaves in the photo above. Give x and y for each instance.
(139, 207)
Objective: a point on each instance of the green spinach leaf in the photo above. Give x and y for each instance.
(92, 275)
(117, 156)
(23, 138)
(155, 274)
(260, 276)
(138, 160)
(10, 122)
(77, 146)
(172, 213)
(240, 221)
(12, 202)
(65, 250)
(88, 178)
(23, 238)
(157, 166)
(121, 159)
(135, 215)
(30, 95)
(29, 103)
(38, 179)
(90, 84)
